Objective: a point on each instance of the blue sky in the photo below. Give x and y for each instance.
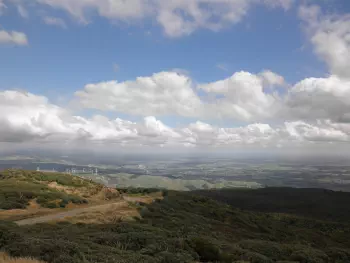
(256, 57)
(65, 59)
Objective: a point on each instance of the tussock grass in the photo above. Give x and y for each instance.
(4, 258)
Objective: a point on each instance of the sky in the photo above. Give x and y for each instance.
(255, 75)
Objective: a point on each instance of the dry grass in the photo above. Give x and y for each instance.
(109, 214)
(125, 210)
(18, 214)
(4, 258)
(87, 192)
(95, 196)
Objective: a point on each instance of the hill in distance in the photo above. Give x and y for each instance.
(264, 225)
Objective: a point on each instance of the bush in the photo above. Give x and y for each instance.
(205, 249)
(51, 205)
(138, 190)
(7, 234)
(309, 255)
(168, 257)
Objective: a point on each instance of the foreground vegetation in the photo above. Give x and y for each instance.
(263, 225)
(18, 188)
(184, 228)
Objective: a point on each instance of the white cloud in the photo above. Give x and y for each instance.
(177, 18)
(320, 132)
(112, 9)
(181, 71)
(25, 117)
(271, 78)
(183, 17)
(330, 35)
(319, 98)
(310, 14)
(164, 93)
(13, 37)
(244, 97)
(168, 93)
(285, 4)
(54, 21)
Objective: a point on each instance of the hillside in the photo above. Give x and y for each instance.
(191, 227)
(26, 193)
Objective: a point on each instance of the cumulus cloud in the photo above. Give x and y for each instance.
(272, 79)
(322, 131)
(54, 21)
(13, 37)
(320, 98)
(164, 93)
(243, 96)
(330, 35)
(177, 18)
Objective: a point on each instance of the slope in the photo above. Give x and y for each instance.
(184, 227)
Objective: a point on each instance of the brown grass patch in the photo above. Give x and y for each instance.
(80, 191)
(108, 214)
(97, 192)
(4, 258)
(125, 210)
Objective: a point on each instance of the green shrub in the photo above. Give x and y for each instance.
(7, 234)
(205, 249)
(309, 255)
(168, 257)
(51, 205)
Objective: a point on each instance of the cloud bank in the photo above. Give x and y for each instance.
(26, 117)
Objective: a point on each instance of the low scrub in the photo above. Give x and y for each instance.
(184, 228)
(18, 188)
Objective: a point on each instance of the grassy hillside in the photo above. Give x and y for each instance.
(51, 190)
(186, 227)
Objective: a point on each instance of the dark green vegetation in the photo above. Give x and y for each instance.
(187, 227)
(138, 190)
(314, 203)
(18, 187)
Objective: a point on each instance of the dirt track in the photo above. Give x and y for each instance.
(77, 211)
(71, 213)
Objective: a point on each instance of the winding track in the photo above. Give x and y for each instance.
(70, 213)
